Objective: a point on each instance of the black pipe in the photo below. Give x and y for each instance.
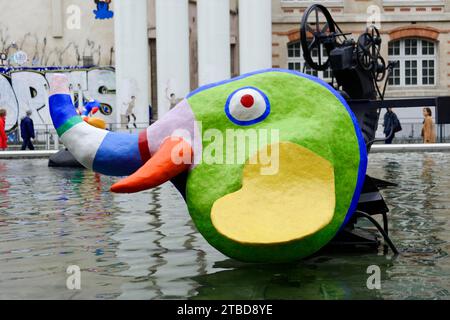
(380, 229)
(370, 143)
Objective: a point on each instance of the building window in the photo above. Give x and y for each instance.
(297, 63)
(417, 62)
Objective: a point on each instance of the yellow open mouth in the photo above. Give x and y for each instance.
(294, 203)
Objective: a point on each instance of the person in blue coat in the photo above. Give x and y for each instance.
(391, 125)
(27, 131)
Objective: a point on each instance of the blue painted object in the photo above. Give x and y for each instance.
(89, 107)
(103, 11)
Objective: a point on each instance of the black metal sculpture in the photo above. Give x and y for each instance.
(358, 69)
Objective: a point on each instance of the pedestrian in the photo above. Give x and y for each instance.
(3, 136)
(391, 125)
(130, 112)
(27, 131)
(428, 129)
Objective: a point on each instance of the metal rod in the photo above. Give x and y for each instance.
(380, 229)
(370, 143)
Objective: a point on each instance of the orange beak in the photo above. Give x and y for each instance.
(173, 158)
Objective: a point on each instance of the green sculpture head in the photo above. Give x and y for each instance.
(274, 163)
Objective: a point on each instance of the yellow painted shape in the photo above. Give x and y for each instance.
(294, 203)
(98, 123)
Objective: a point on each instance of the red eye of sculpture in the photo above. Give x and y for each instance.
(247, 101)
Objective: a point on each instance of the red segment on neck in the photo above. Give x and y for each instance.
(247, 101)
(144, 147)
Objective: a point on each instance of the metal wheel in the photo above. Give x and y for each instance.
(368, 50)
(317, 31)
(380, 73)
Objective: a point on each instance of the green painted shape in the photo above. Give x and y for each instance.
(69, 124)
(305, 113)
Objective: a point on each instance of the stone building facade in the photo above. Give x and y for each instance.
(54, 39)
(55, 33)
(414, 32)
(404, 25)
(65, 32)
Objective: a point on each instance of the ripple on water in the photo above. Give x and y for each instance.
(145, 246)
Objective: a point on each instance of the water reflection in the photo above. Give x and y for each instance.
(4, 187)
(323, 277)
(145, 246)
(419, 217)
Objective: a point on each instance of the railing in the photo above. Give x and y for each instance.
(47, 138)
(412, 133)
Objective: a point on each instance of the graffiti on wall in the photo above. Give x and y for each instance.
(28, 89)
(103, 11)
(88, 53)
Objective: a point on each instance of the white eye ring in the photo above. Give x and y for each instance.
(247, 106)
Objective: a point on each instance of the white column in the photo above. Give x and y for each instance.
(255, 35)
(172, 47)
(213, 21)
(132, 58)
